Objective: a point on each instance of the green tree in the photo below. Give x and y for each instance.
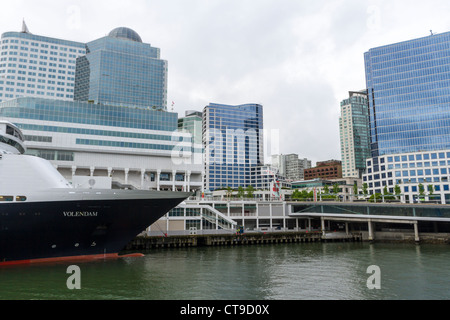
(336, 190)
(387, 195)
(240, 192)
(375, 197)
(430, 189)
(325, 194)
(421, 189)
(250, 191)
(364, 187)
(295, 194)
(355, 190)
(229, 191)
(397, 190)
(302, 195)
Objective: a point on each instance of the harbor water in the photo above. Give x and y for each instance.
(296, 271)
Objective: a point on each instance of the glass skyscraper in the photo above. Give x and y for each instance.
(120, 69)
(408, 86)
(409, 95)
(354, 133)
(233, 141)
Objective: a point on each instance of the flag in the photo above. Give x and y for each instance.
(275, 186)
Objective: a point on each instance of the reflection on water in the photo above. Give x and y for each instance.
(271, 272)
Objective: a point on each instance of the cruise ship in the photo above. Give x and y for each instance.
(44, 218)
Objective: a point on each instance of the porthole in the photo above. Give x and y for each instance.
(77, 244)
(53, 246)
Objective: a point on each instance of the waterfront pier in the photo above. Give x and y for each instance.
(383, 217)
(253, 238)
(226, 222)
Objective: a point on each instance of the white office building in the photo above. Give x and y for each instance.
(291, 166)
(419, 176)
(37, 66)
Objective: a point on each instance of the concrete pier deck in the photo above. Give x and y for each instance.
(178, 241)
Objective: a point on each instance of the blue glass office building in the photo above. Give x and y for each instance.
(408, 85)
(120, 69)
(409, 95)
(233, 140)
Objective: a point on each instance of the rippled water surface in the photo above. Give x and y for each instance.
(305, 271)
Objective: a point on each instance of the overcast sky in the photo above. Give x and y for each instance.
(298, 58)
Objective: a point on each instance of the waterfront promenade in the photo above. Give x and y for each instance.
(248, 222)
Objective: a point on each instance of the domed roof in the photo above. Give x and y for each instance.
(125, 33)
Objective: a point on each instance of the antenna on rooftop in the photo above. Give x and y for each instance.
(24, 27)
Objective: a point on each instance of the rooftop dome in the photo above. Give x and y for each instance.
(125, 33)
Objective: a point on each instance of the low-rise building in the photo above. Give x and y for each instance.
(325, 169)
(346, 188)
(421, 176)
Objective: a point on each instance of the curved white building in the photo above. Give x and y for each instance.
(119, 145)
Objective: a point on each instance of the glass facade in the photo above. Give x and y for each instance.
(77, 112)
(192, 123)
(232, 136)
(121, 70)
(354, 134)
(108, 126)
(409, 95)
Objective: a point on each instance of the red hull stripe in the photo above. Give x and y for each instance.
(59, 259)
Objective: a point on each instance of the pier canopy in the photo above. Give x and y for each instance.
(394, 211)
